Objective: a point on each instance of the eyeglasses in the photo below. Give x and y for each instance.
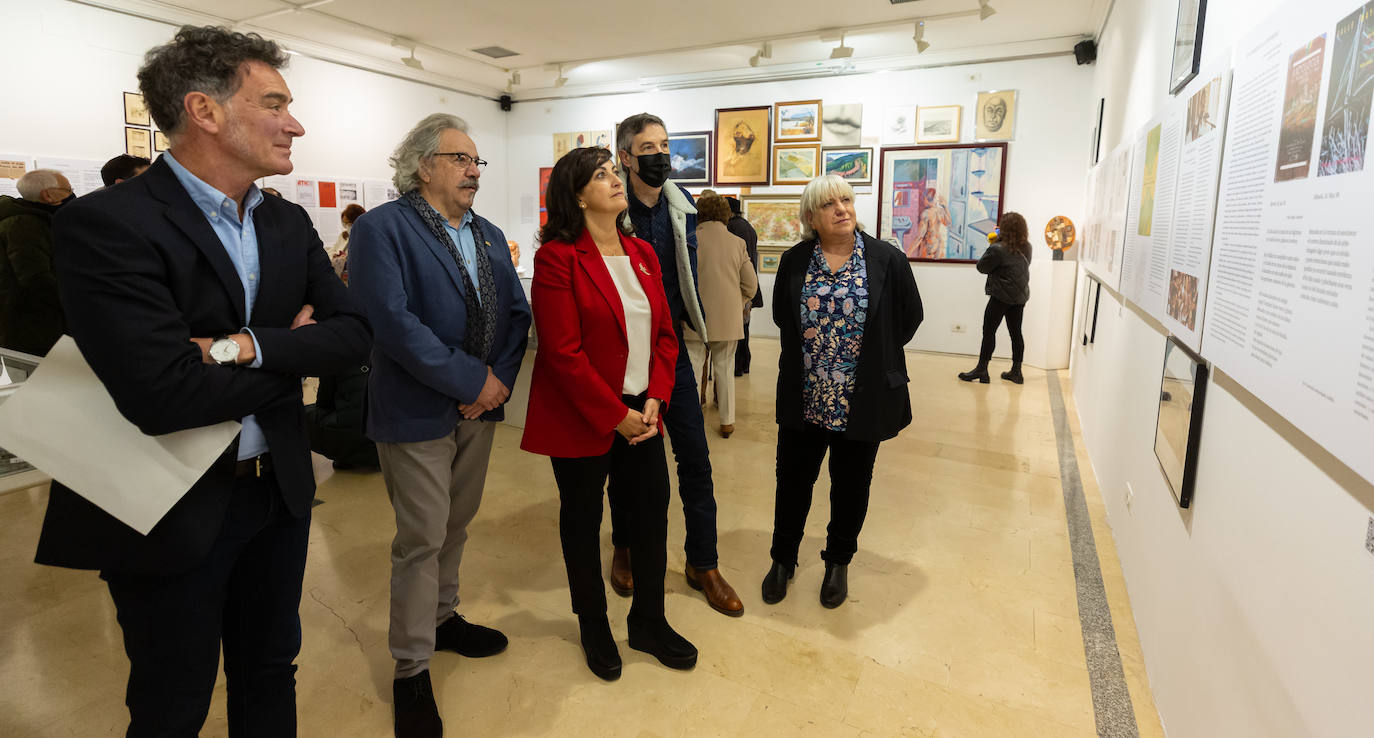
(463, 160)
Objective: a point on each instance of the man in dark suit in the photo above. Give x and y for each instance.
(196, 300)
(437, 282)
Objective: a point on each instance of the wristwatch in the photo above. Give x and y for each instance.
(225, 351)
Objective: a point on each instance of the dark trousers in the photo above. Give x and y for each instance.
(800, 453)
(992, 318)
(642, 471)
(245, 595)
(742, 355)
(687, 429)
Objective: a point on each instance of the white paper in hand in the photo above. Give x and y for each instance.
(64, 422)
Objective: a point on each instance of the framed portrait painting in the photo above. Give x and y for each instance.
(798, 121)
(939, 203)
(938, 124)
(691, 158)
(796, 164)
(854, 164)
(1187, 43)
(136, 110)
(995, 116)
(743, 152)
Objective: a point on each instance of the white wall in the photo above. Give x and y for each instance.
(1254, 607)
(1043, 172)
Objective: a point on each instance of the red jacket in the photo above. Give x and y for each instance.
(579, 368)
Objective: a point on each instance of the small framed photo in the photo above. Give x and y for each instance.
(797, 121)
(796, 164)
(138, 142)
(691, 157)
(160, 142)
(938, 124)
(855, 165)
(135, 110)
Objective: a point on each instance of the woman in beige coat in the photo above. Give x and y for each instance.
(727, 284)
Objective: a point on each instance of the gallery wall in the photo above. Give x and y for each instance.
(1253, 606)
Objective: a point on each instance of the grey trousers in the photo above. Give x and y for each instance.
(435, 488)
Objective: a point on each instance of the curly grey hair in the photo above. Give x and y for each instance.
(204, 59)
(420, 144)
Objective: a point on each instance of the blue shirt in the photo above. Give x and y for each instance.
(467, 248)
(240, 241)
(655, 225)
(834, 309)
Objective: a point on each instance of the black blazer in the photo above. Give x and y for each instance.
(141, 272)
(881, 405)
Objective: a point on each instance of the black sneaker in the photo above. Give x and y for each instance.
(416, 714)
(467, 639)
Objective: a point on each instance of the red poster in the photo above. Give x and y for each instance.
(327, 197)
(544, 173)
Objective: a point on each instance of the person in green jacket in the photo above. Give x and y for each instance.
(30, 312)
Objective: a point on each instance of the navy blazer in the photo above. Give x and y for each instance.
(412, 293)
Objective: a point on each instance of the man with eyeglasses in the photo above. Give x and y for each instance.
(30, 311)
(450, 322)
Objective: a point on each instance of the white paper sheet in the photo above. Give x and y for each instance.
(64, 422)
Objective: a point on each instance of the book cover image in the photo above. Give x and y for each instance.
(1345, 132)
(1300, 111)
(1147, 181)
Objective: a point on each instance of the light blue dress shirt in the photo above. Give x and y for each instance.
(467, 248)
(240, 241)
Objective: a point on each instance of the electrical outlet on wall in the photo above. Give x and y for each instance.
(957, 327)
(1130, 496)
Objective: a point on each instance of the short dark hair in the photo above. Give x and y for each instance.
(712, 209)
(351, 213)
(632, 126)
(569, 176)
(123, 166)
(1012, 233)
(206, 59)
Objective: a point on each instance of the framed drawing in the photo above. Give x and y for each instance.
(135, 111)
(743, 153)
(855, 165)
(565, 142)
(995, 116)
(1178, 427)
(939, 203)
(797, 121)
(796, 164)
(775, 219)
(1187, 43)
(160, 142)
(841, 124)
(938, 124)
(899, 125)
(138, 142)
(691, 158)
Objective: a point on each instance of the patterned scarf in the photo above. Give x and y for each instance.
(481, 314)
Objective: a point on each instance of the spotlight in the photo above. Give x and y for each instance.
(560, 80)
(764, 52)
(985, 11)
(841, 51)
(409, 61)
(920, 38)
(412, 62)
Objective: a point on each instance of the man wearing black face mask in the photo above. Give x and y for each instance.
(663, 214)
(30, 313)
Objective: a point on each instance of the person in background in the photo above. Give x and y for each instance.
(31, 318)
(1007, 264)
(728, 283)
(338, 253)
(846, 305)
(123, 167)
(741, 227)
(603, 371)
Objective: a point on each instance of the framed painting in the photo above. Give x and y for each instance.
(841, 124)
(938, 124)
(798, 121)
(775, 218)
(691, 158)
(1187, 43)
(939, 203)
(854, 164)
(1178, 426)
(136, 110)
(743, 152)
(796, 164)
(160, 142)
(565, 142)
(769, 258)
(995, 116)
(138, 142)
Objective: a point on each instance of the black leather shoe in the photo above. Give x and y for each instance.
(467, 639)
(603, 658)
(416, 714)
(1014, 376)
(775, 582)
(977, 374)
(835, 586)
(663, 643)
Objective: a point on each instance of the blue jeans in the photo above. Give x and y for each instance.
(687, 430)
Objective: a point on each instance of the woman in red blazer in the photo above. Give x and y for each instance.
(603, 370)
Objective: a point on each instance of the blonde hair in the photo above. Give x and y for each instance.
(818, 192)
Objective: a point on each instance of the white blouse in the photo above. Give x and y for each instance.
(638, 322)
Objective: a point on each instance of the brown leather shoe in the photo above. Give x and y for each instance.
(719, 594)
(726, 430)
(622, 581)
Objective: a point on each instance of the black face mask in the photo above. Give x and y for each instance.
(654, 169)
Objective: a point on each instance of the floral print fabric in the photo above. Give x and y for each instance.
(834, 307)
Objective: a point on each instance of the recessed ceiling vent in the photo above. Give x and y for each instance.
(496, 52)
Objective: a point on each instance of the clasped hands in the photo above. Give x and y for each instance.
(247, 354)
(640, 426)
(494, 392)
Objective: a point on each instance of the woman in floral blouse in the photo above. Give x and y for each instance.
(845, 304)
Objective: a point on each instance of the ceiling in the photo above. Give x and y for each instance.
(630, 45)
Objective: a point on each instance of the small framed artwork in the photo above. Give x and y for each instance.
(775, 219)
(769, 257)
(743, 153)
(138, 142)
(796, 163)
(797, 121)
(135, 110)
(1097, 129)
(1178, 427)
(1092, 293)
(995, 116)
(691, 158)
(160, 142)
(1187, 43)
(854, 164)
(938, 124)
(841, 124)
(899, 125)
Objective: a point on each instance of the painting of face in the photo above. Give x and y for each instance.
(996, 115)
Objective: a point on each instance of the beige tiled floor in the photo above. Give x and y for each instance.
(962, 618)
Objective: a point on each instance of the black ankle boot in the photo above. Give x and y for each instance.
(978, 373)
(1014, 375)
(416, 714)
(603, 658)
(775, 583)
(835, 586)
(658, 639)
